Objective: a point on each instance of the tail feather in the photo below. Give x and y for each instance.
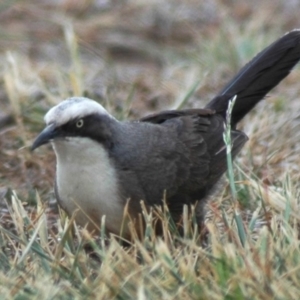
(259, 76)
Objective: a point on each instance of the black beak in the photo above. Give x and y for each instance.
(44, 137)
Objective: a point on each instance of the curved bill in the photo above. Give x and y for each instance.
(48, 134)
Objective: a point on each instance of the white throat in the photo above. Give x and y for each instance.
(87, 180)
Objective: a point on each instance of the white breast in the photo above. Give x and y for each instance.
(86, 180)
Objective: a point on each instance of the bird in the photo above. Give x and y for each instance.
(175, 157)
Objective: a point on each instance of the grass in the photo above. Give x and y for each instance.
(37, 263)
(165, 55)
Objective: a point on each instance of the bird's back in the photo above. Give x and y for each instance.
(183, 157)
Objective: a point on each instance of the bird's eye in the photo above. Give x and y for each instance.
(79, 123)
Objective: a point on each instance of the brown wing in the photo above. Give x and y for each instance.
(200, 133)
(161, 117)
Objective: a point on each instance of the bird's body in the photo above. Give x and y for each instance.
(90, 173)
(177, 155)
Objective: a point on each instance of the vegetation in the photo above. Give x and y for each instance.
(137, 57)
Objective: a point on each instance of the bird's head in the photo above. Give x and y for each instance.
(73, 118)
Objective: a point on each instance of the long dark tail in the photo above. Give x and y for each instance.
(259, 76)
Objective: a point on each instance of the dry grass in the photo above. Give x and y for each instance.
(136, 57)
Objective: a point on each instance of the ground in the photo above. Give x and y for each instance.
(138, 57)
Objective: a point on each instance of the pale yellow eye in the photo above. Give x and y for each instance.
(79, 123)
